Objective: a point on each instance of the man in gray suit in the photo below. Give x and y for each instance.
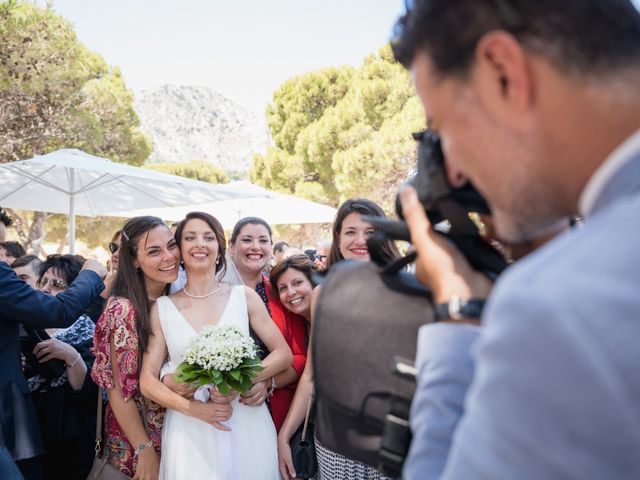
(537, 102)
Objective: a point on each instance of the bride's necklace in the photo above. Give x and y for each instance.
(201, 296)
(152, 299)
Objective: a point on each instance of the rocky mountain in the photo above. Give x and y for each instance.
(196, 123)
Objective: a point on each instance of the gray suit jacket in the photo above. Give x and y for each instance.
(556, 388)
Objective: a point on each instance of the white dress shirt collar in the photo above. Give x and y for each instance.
(614, 162)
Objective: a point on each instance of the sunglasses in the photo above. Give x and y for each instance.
(113, 247)
(54, 282)
(321, 257)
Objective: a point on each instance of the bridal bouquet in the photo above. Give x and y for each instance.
(221, 356)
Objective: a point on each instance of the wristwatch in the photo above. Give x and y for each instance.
(458, 309)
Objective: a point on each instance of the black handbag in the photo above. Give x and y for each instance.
(303, 449)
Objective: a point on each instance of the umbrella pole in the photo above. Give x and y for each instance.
(72, 213)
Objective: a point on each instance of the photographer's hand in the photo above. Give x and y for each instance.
(440, 265)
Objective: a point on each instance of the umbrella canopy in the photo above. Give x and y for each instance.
(73, 182)
(275, 208)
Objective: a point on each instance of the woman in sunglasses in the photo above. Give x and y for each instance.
(114, 260)
(63, 394)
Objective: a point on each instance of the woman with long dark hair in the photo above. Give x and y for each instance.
(148, 263)
(350, 233)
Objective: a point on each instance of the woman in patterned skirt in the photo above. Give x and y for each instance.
(148, 263)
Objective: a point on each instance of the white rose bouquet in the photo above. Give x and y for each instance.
(222, 356)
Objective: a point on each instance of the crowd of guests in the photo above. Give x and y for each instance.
(118, 349)
(538, 107)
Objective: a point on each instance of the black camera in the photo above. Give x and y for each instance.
(447, 208)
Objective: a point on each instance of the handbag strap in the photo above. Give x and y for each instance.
(306, 419)
(99, 421)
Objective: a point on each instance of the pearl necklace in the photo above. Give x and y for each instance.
(200, 296)
(152, 299)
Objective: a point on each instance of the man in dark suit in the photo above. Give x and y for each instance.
(19, 303)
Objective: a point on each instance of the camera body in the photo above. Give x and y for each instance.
(447, 208)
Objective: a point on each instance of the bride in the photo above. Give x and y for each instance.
(195, 442)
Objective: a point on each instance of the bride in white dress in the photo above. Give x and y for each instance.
(222, 438)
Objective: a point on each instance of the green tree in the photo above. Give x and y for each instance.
(195, 169)
(350, 140)
(55, 93)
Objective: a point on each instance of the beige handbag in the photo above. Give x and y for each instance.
(102, 469)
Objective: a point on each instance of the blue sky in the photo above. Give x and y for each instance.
(244, 50)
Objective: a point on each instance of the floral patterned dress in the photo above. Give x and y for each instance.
(117, 325)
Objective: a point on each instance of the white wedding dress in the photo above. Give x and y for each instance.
(193, 449)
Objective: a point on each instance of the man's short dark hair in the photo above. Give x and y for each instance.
(587, 37)
(25, 260)
(13, 248)
(279, 246)
(5, 218)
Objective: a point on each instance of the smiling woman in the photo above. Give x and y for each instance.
(250, 248)
(148, 263)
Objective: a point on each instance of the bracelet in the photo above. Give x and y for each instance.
(273, 386)
(71, 365)
(142, 446)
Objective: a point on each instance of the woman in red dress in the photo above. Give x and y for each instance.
(250, 248)
(148, 263)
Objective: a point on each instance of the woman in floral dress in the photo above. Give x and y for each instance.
(148, 263)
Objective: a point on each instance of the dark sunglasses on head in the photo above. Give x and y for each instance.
(113, 247)
(55, 283)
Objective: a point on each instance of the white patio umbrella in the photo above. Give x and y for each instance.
(72, 182)
(276, 208)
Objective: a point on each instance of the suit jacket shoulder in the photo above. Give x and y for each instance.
(556, 387)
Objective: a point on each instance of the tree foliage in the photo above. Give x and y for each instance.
(195, 169)
(342, 132)
(55, 93)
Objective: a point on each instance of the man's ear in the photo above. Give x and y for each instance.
(503, 76)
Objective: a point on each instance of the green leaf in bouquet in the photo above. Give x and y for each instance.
(186, 373)
(237, 386)
(216, 375)
(224, 388)
(235, 374)
(246, 384)
(251, 361)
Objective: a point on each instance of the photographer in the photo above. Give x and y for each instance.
(538, 106)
